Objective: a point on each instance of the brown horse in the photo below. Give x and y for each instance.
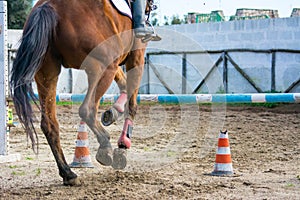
(89, 35)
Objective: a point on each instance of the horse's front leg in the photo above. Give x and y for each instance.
(134, 67)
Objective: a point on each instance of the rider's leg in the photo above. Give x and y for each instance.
(140, 29)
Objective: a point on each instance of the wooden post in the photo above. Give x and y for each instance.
(225, 71)
(148, 72)
(184, 74)
(273, 73)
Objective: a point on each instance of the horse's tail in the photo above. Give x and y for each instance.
(38, 32)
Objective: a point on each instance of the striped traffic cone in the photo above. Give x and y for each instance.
(82, 158)
(223, 164)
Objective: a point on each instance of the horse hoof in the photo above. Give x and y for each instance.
(104, 156)
(119, 159)
(109, 117)
(72, 182)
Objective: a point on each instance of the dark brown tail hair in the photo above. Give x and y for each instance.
(38, 31)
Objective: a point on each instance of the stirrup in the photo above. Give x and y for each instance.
(142, 35)
(151, 37)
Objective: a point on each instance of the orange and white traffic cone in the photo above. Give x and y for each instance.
(82, 158)
(223, 164)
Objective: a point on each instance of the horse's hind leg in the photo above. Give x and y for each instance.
(111, 115)
(46, 80)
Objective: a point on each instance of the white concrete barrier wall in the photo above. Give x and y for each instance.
(281, 33)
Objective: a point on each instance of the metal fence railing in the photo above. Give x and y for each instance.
(223, 61)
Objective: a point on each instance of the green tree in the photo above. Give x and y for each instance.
(17, 13)
(185, 20)
(154, 20)
(176, 20)
(166, 20)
